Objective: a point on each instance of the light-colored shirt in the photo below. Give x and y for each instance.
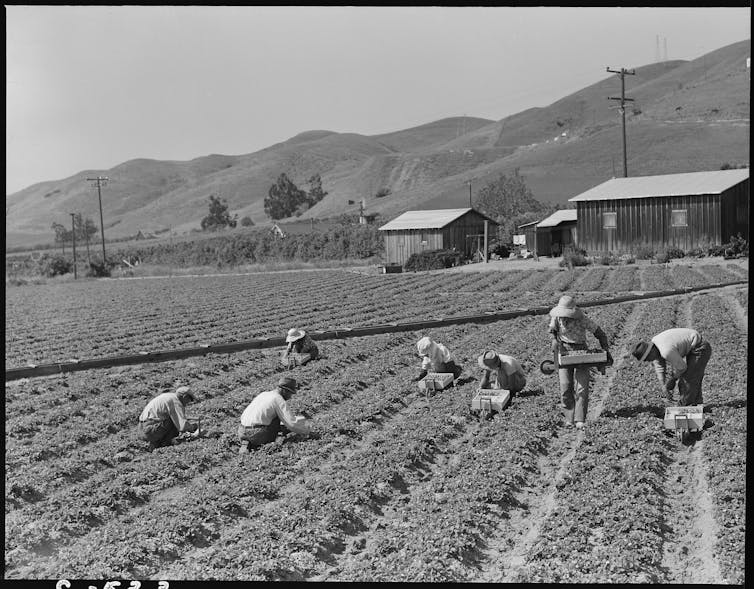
(674, 345)
(572, 331)
(268, 405)
(438, 354)
(510, 364)
(164, 406)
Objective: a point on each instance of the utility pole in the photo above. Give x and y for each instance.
(469, 183)
(99, 180)
(73, 236)
(623, 99)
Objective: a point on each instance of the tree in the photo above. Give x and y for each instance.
(219, 216)
(283, 198)
(246, 222)
(85, 229)
(62, 235)
(316, 193)
(508, 200)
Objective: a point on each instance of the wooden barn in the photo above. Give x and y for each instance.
(556, 232)
(685, 211)
(417, 231)
(529, 231)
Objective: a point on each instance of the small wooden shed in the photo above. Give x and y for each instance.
(685, 211)
(417, 231)
(556, 232)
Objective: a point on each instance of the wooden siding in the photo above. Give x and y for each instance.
(563, 234)
(531, 238)
(735, 211)
(400, 244)
(647, 222)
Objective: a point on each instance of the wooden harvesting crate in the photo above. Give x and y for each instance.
(684, 419)
(487, 401)
(581, 358)
(436, 381)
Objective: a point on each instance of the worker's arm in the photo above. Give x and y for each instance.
(178, 417)
(663, 374)
(485, 384)
(296, 424)
(602, 339)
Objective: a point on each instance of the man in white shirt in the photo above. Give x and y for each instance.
(268, 414)
(164, 418)
(678, 355)
(435, 358)
(508, 372)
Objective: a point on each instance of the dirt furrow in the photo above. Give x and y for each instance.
(540, 498)
(691, 536)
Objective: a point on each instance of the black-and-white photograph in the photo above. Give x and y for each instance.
(376, 294)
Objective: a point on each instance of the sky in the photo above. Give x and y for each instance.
(91, 87)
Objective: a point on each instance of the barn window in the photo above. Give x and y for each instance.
(423, 237)
(609, 220)
(678, 218)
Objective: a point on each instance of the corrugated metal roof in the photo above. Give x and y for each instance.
(434, 219)
(665, 185)
(558, 217)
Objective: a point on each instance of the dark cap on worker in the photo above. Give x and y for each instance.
(287, 383)
(641, 350)
(185, 393)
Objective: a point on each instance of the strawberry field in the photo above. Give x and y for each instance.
(392, 485)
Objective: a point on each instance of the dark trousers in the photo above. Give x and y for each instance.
(158, 433)
(451, 366)
(690, 382)
(256, 436)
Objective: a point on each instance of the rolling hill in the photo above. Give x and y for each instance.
(686, 116)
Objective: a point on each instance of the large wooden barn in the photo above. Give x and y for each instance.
(417, 231)
(685, 211)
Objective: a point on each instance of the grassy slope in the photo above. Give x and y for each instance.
(428, 166)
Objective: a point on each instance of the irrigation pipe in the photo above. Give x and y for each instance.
(340, 333)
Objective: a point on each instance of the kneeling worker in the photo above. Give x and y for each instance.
(164, 418)
(507, 370)
(261, 420)
(687, 355)
(435, 358)
(301, 348)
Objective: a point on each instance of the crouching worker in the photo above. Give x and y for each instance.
(679, 356)
(568, 327)
(435, 358)
(268, 414)
(507, 371)
(301, 348)
(164, 418)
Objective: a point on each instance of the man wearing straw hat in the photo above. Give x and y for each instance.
(301, 348)
(678, 355)
(507, 371)
(268, 414)
(568, 327)
(164, 418)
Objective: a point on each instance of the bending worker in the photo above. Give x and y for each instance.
(435, 358)
(687, 355)
(568, 327)
(301, 348)
(507, 371)
(261, 420)
(164, 418)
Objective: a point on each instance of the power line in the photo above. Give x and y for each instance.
(622, 108)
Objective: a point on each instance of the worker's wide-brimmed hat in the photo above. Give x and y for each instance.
(424, 345)
(185, 392)
(287, 383)
(640, 351)
(294, 334)
(489, 360)
(566, 307)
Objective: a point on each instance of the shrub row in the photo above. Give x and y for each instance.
(433, 260)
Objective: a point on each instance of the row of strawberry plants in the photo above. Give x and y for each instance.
(725, 447)
(608, 523)
(142, 488)
(314, 449)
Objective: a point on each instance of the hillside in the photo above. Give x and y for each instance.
(687, 116)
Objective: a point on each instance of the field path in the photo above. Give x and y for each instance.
(538, 500)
